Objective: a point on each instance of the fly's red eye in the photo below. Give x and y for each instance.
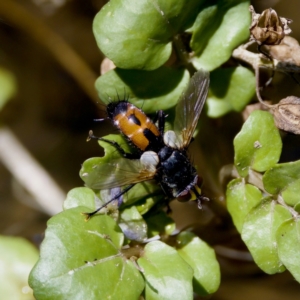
(185, 196)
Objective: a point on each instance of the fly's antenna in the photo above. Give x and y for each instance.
(103, 110)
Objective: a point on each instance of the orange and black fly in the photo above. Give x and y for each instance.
(161, 155)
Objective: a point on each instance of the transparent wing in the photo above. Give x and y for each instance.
(117, 172)
(190, 105)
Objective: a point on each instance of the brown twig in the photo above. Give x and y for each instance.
(30, 174)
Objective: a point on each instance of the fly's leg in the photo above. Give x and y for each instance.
(115, 145)
(200, 198)
(199, 201)
(116, 197)
(160, 117)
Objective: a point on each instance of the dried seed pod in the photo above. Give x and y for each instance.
(287, 54)
(268, 28)
(287, 114)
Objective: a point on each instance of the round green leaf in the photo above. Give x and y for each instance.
(133, 225)
(203, 260)
(258, 145)
(284, 178)
(137, 34)
(297, 207)
(8, 86)
(82, 260)
(88, 198)
(152, 90)
(80, 197)
(230, 89)
(133, 34)
(288, 240)
(259, 234)
(17, 257)
(167, 275)
(241, 198)
(131, 222)
(218, 30)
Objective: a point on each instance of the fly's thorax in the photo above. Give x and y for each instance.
(176, 172)
(164, 153)
(135, 125)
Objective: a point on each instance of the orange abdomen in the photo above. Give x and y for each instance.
(134, 124)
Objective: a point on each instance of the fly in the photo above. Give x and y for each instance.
(161, 155)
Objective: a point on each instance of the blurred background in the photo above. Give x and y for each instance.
(48, 49)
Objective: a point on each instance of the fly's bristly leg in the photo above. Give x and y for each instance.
(200, 199)
(160, 117)
(90, 214)
(114, 144)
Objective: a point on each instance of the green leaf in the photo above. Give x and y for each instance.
(8, 86)
(80, 197)
(241, 198)
(218, 30)
(203, 260)
(17, 257)
(258, 145)
(167, 275)
(288, 240)
(131, 222)
(230, 89)
(137, 34)
(152, 90)
(143, 195)
(133, 225)
(82, 260)
(259, 234)
(284, 178)
(297, 207)
(88, 198)
(160, 224)
(88, 172)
